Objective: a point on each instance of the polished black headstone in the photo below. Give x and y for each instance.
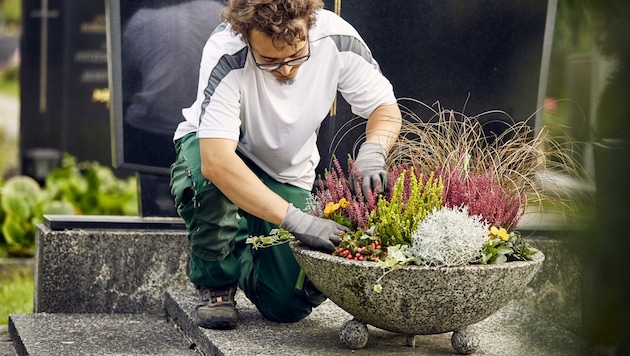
(63, 80)
(470, 56)
(155, 51)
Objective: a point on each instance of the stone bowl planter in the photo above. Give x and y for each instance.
(415, 300)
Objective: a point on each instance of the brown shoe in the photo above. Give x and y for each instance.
(217, 308)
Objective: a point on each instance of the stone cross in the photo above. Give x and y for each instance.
(44, 13)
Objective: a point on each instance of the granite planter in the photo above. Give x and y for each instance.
(415, 300)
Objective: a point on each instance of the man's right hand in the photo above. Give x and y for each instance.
(372, 170)
(318, 233)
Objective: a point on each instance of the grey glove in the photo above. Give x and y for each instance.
(318, 233)
(370, 163)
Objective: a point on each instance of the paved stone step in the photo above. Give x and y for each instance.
(514, 330)
(97, 334)
(6, 344)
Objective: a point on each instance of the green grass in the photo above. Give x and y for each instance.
(16, 295)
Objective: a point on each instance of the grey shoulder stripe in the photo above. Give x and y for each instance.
(219, 28)
(352, 44)
(226, 64)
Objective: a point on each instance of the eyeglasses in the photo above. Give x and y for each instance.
(292, 63)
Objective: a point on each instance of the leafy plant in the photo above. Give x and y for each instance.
(21, 206)
(92, 189)
(362, 245)
(74, 189)
(502, 246)
(275, 237)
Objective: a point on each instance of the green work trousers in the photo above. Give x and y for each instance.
(217, 231)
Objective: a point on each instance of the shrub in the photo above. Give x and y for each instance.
(449, 237)
(85, 188)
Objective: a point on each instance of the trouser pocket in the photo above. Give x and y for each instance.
(214, 226)
(181, 184)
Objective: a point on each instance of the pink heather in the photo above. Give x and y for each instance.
(484, 196)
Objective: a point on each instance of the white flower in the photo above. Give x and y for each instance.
(449, 237)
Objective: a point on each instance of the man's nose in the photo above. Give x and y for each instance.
(285, 70)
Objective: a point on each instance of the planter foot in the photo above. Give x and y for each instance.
(410, 340)
(465, 341)
(354, 334)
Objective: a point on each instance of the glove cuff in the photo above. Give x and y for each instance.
(292, 219)
(369, 148)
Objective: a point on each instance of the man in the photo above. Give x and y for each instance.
(268, 77)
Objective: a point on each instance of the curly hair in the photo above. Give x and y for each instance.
(282, 20)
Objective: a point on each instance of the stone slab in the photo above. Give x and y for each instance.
(514, 330)
(97, 334)
(6, 344)
(107, 270)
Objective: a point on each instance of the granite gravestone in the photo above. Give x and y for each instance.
(64, 87)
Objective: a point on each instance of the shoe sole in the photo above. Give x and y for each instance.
(217, 324)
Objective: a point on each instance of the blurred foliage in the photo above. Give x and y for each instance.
(11, 11)
(584, 27)
(572, 34)
(573, 26)
(9, 149)
(10, 81)
(613, 40)
(612, 25)
(85, 188)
